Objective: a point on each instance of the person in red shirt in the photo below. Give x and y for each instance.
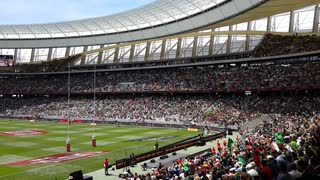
(106, 166)
(266, 172)
(213, 150)
(256, 157)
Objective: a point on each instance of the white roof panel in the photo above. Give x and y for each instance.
(156, 13)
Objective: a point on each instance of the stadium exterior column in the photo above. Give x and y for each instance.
(178, 52)
(49, 54)
(291, 22)
(315, 28)
(83, 59)
(147, 53)
(195, 46)
(32, 54)
(248, 38)
(15, 55)
(269, 24)
(229, 41)
(116, 55)
(100, 55)
(132, 51)
(163, 49)
(211, 45)
(67, 52)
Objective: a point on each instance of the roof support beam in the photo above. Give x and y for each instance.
(195, 46)
(202, 48)
(248, 37)
(178, 52)
(291, 22)
(100, 55)
(67, 52)
(49, 54)
(116, 55)
(269, 24)
(106, 57)
(83, 58)
(167, 54)
(15, 56)
(132, 51)
(163, 49)
(211, 45)
(229, 41)
(147, 53)
(214, 33)
(316, 19)
(32, 54)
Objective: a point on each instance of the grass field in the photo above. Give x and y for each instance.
(116, 141)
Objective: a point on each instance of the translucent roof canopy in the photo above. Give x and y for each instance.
(153, 14)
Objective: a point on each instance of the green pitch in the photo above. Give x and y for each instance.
(118, 141)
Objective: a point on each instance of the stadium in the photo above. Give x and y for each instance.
(174, 89)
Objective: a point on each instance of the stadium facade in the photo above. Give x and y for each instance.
(163, 29)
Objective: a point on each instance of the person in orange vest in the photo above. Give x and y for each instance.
(213, 150)
(225, 143)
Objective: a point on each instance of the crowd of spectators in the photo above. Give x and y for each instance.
(274, 45)
(281, 148)
(197, 78)
(286, 146)
(222, 110)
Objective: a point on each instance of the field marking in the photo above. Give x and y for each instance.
(120, 130)
(7, 126)
(57, 139)
(12, 158)
(155, 133)
(21, 144)
(90, 128)
(128, 137)
(60, 149)
(90, 134)
(99, 143)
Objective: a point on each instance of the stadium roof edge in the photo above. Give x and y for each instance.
(253, 10)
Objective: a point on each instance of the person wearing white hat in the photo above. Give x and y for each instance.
(251, 170)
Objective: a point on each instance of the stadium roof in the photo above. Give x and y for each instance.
(153, 14)
(162, 18)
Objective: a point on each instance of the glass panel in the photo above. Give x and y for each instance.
(303, 19)
(41, 54)
(23, 55)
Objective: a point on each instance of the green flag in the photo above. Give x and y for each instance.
(240, 159)
(230, 142)
(278, 137)
(294, 144)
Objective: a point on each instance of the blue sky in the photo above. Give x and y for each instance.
(42, 11)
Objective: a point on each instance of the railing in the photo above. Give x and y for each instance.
(167, 149)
